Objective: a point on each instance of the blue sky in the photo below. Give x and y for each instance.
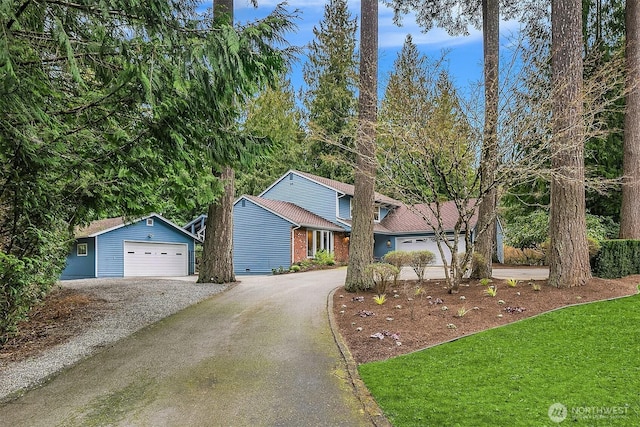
(464, 52)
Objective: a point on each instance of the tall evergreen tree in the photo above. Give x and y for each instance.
(331, 76)
(630, 211)
(103, 105)
(569, 252)
(217, 249)
(274, 116)
(361, 242)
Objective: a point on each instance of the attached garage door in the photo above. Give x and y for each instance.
(155, 259)
(421, 243)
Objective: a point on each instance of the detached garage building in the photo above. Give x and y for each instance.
(149, 246)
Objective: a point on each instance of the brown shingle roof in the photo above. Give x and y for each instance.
(98, 226)
(418, 218)
(347, 189)
(295, 213)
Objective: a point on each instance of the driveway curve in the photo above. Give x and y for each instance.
(260, 354)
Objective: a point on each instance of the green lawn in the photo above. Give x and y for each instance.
(586, 358)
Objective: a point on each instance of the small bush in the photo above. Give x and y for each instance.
(398, 259)
(381, 274)
(295, 268)
(617, 258)
(324, 257)
(420, 260)
(23, 283)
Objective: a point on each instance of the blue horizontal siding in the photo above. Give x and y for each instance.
(344, 207)
(111, 244)
(380, 248)
(305, 193)
(80, 267)
(261, 239)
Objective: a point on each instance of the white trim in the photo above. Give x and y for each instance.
(149, 222)
(86, 249)
(330, 239)
(160, 217)
(291, 171)
(268, 210)
(95, 254)
(290, 221)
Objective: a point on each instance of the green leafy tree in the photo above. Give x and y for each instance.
(267, 64)
(273, 115)
(104, 108)
(331, 76)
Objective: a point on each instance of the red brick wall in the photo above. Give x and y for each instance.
(340, 246)
(299, 245)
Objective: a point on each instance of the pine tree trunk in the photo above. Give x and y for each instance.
(217, 253)
(630, 211)
(569, 253)
(361, 242)
(486, 242)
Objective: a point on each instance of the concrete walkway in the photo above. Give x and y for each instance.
(260, 354)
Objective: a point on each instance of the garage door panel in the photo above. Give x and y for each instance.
(421, 243)
(155, 259)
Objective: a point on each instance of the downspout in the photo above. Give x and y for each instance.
(293, 243)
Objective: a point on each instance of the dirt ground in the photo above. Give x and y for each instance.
(408, 320)
(63, 313)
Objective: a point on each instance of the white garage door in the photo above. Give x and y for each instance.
(421, 243)
(155, 259)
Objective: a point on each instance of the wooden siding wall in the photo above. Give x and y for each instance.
(111, 244)
(344, 206)
(380, 245)
(261, 240)
(305, 193)
(80, 267)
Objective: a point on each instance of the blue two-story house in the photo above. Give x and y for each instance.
(301, 213)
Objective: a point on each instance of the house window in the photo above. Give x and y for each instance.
(149, 222)
(376, 211)
(318, 240)
(81, 249)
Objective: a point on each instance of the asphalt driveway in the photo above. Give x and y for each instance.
(260, 354)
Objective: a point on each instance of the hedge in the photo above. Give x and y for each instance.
(617, 258)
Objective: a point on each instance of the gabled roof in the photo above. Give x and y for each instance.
(418, 218)
(102, 226)
(293, 213)
(340, 187)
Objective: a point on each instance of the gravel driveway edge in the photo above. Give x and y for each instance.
(133, 304)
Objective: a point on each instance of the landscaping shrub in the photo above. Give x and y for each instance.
(381, 274)
(617, 258)
(398, 259)
(420, 260)
(527, 256)
(23, 283)
(325, 258)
